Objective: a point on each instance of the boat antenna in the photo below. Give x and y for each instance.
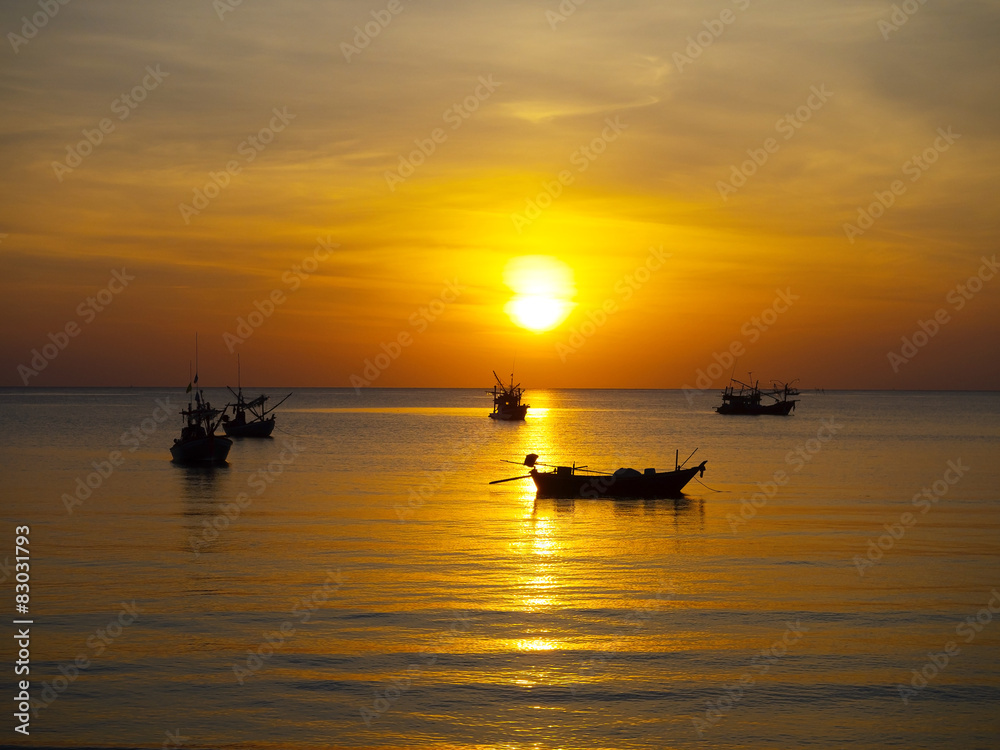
(196, 396)
(239, 378)
(687, 459)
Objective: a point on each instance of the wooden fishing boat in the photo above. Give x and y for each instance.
(579, 481)
(260, 423)
(198, 442)
(750, 399)
(507, 405)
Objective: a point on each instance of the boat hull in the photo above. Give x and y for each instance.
(566, 484)
(781, 408)
(516, 414)
(257, 429)
(213, 449)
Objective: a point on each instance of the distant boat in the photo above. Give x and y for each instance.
(566, 482)
(198, 442)
(750, 399)
(507, 404)
(260, 424)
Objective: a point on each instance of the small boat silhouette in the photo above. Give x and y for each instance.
(261, 422)
(198, 442)
(568, 481)
(749, 399)
(507, 404)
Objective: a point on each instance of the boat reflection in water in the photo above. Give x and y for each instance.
(569, 482)
(624, 506)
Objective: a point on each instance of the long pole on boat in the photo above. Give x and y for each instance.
(268, 411)
(688, 458)
(197, 398)
(511, 479)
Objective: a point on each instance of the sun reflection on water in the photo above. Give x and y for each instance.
(538, 644)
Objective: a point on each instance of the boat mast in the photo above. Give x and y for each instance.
(197, 398)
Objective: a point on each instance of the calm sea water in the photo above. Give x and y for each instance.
(355, 582)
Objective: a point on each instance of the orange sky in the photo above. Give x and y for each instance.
(402, 173)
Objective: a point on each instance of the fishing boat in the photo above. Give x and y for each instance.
(749, 399)
(260, 423)
(579, 481)
(198, 442)
(507, 405)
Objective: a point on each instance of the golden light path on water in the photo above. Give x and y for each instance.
(537, 549)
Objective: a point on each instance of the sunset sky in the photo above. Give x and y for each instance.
(685, 170)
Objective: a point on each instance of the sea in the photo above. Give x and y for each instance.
(832, 580)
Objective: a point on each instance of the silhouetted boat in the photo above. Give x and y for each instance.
(750, 399)
(565, 481)
(261, 422)
(198, 442)
(259, 425)
(507, 404)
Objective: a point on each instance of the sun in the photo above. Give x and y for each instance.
(543, 289)
(535, 312)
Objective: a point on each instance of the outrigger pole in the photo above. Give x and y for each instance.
(511, 479)
(531, 461)
(688, 458)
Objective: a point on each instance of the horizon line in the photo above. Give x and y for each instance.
(458, 388)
